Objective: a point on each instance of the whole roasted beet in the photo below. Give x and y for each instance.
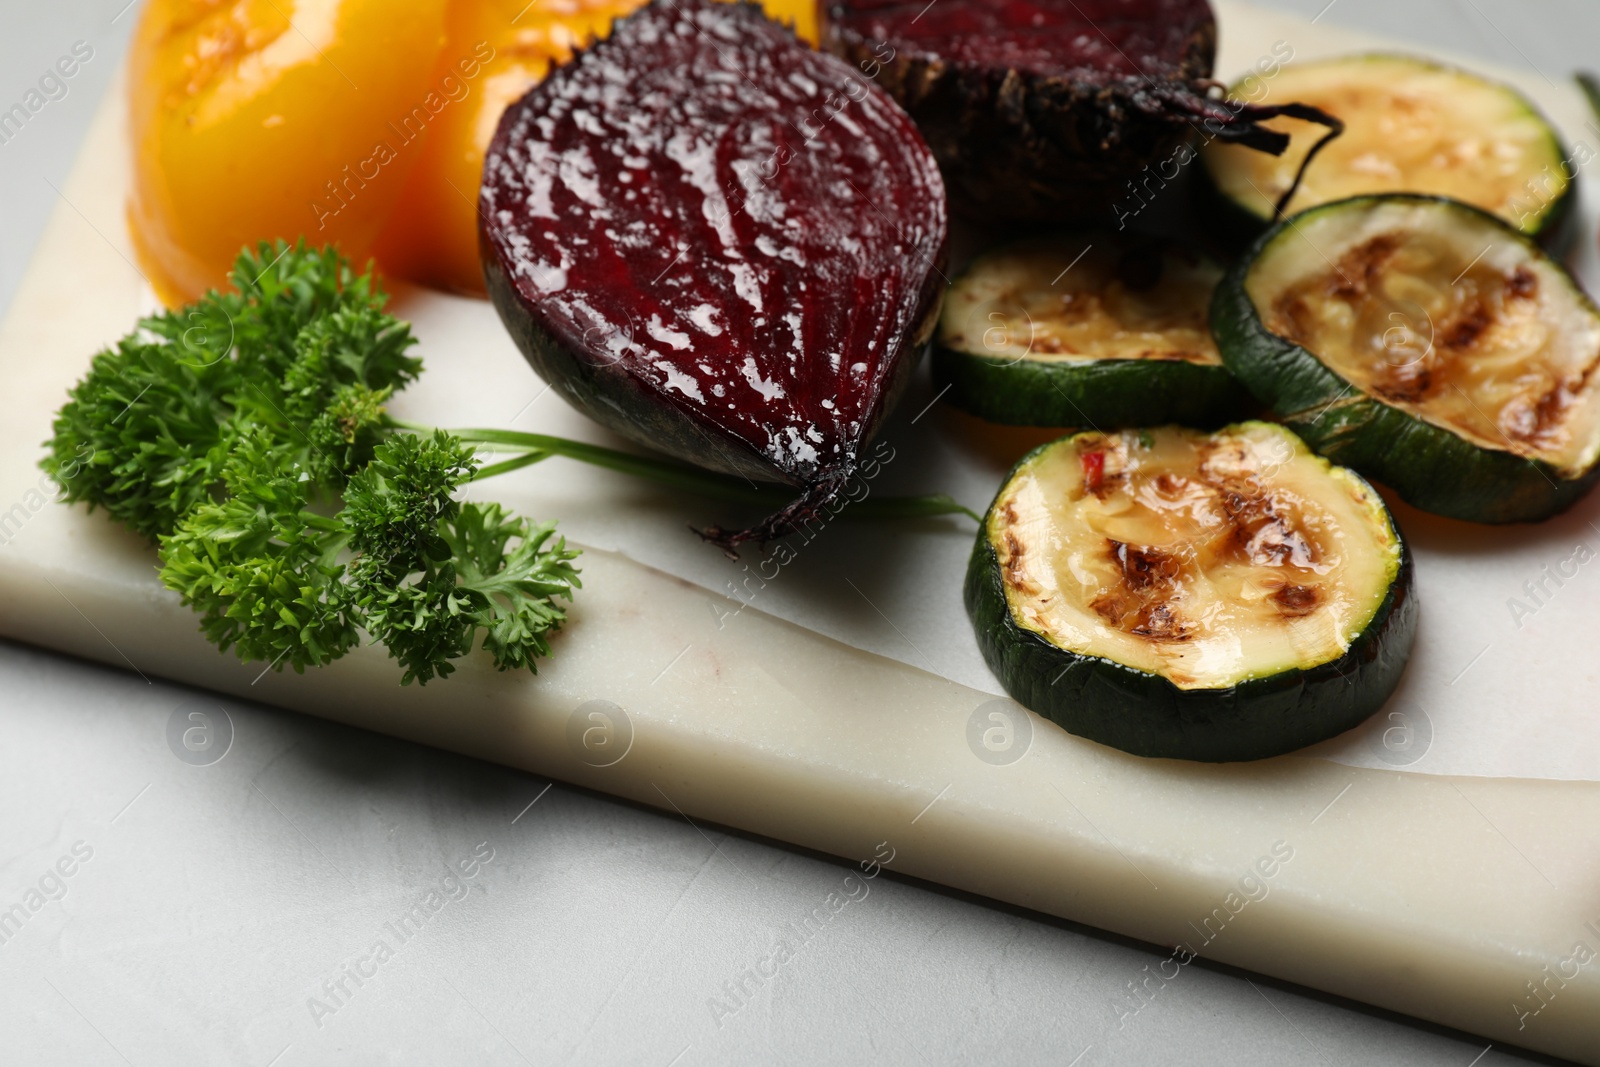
(1046, 109)
(719, 243)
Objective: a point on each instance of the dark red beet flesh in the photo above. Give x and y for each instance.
(1045, 109)
(719, 243)
(1090, 40)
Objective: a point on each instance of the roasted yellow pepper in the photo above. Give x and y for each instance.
(433, 238)
(257, 119)
(347, 121)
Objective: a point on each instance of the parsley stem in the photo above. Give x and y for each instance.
(682, 476)
(506, 466)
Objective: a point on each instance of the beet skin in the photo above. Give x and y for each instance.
(719, 243)
(1046, 109)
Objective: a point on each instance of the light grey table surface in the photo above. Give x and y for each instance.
(207, 906)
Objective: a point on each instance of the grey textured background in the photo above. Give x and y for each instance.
(217, 900)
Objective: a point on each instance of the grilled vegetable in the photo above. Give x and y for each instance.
(719, 243)
(1427, 344)
(493, 52)
(1085, 331)
(241, 128)
(1048, 109)
(432, 235)
(1410, 126)
(1211, 597)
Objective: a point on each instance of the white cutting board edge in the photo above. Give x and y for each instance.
(1428, 895)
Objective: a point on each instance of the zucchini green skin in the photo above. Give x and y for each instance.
(1234, 226)
(1146, 715)
(1558, 228)
(1103, 394)
(1430, 467)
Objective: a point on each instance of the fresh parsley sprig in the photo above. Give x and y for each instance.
(246, 436)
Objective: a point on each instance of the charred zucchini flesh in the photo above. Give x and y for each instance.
(1410, 126)
(1085, 331)
(1223, 596)
(1427, 344)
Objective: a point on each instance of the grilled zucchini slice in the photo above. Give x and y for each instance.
(1410, 126)
(1085, 331)
(1428, 345)
(1224, 596)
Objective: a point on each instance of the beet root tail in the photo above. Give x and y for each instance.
(1242, 124)
(816, 507)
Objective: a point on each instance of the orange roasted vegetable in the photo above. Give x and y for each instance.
(357, 122)
(257, 119)
(801, 14)
(433, 237)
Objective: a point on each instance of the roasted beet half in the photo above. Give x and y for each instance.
(1045, 109)
(719, 243)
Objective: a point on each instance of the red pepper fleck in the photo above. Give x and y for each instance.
(1094, 470)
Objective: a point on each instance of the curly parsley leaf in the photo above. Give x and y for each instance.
(394, 505)
(431, 574)
(146, 433)
(511, 573)
(246, 435)
(260, 566)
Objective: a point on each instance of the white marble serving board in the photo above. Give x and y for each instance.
(831, 703)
